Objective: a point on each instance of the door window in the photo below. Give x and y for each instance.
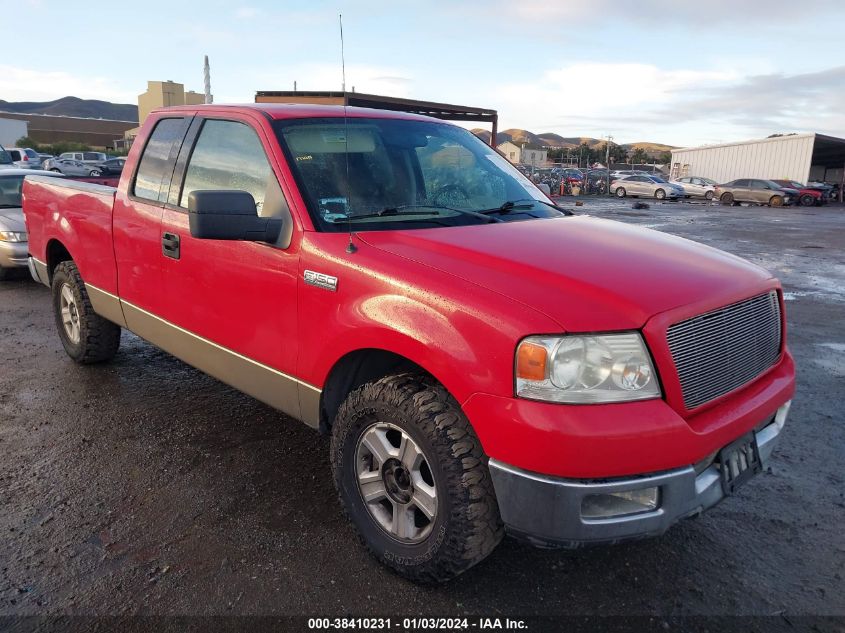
(741, 183)
(229, 155)
(155, 169)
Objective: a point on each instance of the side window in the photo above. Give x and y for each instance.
(229, 155)
(741, 183)
(153, 179)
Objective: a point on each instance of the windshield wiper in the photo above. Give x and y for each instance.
(510, 205)
(426, 209)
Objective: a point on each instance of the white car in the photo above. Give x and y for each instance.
(698, 187)
(24, 157)
(70, 167)
(649, 186)
(91, 158)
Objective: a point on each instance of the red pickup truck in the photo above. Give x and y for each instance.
(483, 359)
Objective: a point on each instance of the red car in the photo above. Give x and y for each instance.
(807, 196)
(482, 359)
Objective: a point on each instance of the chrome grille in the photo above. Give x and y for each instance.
(717, 352)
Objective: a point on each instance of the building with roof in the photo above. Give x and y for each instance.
(11, 130)
(49, 128)
(801, 157)
(524, 154)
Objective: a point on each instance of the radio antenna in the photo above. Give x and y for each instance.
(350, 248)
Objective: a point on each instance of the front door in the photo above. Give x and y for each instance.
(233, 302)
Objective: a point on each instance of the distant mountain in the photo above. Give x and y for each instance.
(550, 139)
(74, 106)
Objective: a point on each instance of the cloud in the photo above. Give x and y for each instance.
(25, 84)
(644, 102)
(656, 13)
(370, 79)
(246, 13)
(813, 101)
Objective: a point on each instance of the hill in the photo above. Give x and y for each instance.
(550, 139)
(74, 106)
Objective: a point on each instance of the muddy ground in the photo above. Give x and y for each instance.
(143, 486)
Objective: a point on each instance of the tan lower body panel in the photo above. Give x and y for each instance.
(285, 393)
(106, 305)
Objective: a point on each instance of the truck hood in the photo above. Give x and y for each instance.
(587, 274)
(12, 220)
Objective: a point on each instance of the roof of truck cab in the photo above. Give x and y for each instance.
(278, 111)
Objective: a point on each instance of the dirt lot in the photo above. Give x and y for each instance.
(143, 486)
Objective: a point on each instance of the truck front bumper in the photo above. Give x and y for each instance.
(549, 511)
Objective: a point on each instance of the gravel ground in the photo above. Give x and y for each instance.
(145, 487)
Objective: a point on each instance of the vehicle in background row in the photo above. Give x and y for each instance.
(45, 157)
(112, 167)
(807, 196)
(642, 185)
(698, 187)
(14, 246)
(755, 190)
(6, 161)
(70, 167)
(483, 359)
(24, 157)
(92, 158)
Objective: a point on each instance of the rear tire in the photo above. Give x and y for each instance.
(462, 525)
(776, 201)
(727, 198)
(86, 336)
(58, 171)
(660, 194)
(620, 192)
(94, 173)
(708, 195)
(807, 200)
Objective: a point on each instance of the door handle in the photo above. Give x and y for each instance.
(170, 245)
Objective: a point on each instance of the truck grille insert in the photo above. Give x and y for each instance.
(717, 352)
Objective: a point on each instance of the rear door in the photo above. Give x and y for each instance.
(236, 299)
(741, 190)
(137, 221)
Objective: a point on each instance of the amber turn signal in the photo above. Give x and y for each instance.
(531, 362)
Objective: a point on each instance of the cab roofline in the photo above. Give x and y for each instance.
(280, 111)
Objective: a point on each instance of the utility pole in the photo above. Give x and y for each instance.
(607, 161)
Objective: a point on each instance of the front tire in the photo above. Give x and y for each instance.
(86, 336)
(708, 195)
(413, 479)
(776, 201)
(620, 192)
(727, 199)
(807, 200)
(660, 194)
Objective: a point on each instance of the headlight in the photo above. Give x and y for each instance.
(12, 236)
(585, 369)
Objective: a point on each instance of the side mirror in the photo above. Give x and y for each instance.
(229, 215)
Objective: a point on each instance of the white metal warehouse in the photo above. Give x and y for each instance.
(801, 157)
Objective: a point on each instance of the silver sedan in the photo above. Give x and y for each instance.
(650, 186)
(14, 245)
(70, 167)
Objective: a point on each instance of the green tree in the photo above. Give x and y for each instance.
(639, 156)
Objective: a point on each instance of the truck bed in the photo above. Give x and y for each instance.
(76, 217)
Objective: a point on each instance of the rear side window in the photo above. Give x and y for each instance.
(31, 153)
(229, 155)
(155, 169)
(741, 183)
(16, 155)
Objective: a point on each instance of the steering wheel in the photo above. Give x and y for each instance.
(450, 196)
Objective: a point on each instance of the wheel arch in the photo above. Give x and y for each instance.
(56, 253)
(356, 368)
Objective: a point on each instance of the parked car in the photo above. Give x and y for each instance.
(641, 185)
(14, 246)
(24, 157)
(483, 359)
(698, 187)
(6, 161)
(45, 157)
(807, 196)
(92, 158)
(112, 167)
(70, 167)
(755, 190)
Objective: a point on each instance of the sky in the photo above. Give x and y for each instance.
(680, 72)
